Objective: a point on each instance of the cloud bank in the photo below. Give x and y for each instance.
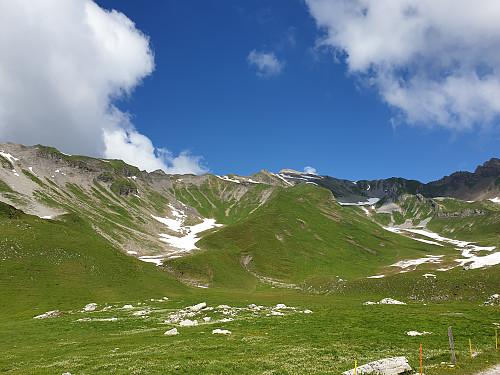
(435, 62)
(267, 64)
(63, 64)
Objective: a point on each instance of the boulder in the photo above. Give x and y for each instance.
(188, 323)
(198, 307)
(172, 332)
(387, 366)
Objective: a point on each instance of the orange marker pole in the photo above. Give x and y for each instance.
(470, 348)
(355, 366)
(421, 370)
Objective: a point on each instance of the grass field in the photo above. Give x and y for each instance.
(339, 331)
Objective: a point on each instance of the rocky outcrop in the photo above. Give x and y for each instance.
(464, 213)
(493, 300)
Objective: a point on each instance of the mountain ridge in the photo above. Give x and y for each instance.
(193, 226)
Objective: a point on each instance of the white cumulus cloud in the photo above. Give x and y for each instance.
(139, 150)
(310, 170)
(267, 63)
(63, 64)
(435, 62)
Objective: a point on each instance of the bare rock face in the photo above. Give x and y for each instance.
(388, 366)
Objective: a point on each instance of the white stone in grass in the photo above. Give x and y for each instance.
(198, 307)
(367, 303)
(224, 307)
(307, 311)
(188, 323)
(274, 313)
(415, 333)
(90, 307)
(390, 301)
(221, 332)
(172, 332)
(207, 319)
(127, 307)
(49, 314)
(280, 306)
(142, 312)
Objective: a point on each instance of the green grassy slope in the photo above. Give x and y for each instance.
(48, 265)
(225, 201)
(300, 232)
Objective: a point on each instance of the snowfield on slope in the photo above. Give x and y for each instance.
(188, 235)
(468, 249)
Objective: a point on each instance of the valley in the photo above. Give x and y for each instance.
(284, 261)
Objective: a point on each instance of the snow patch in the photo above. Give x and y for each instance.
(369, 202)
(9, 157)
(187, 242)
(467, 248)
(433, 259)
(152, 259)
(282, 178)
(226, 178)
(495, 200)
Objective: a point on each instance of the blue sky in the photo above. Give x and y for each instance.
(322, 104)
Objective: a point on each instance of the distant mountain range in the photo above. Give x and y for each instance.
(484, 183)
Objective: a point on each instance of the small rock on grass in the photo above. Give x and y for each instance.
(221, 332)
(172, 332)
(188, 323)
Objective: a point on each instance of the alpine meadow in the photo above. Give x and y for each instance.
(264, 187)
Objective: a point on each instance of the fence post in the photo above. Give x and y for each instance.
(452, 347)
(421, 369)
